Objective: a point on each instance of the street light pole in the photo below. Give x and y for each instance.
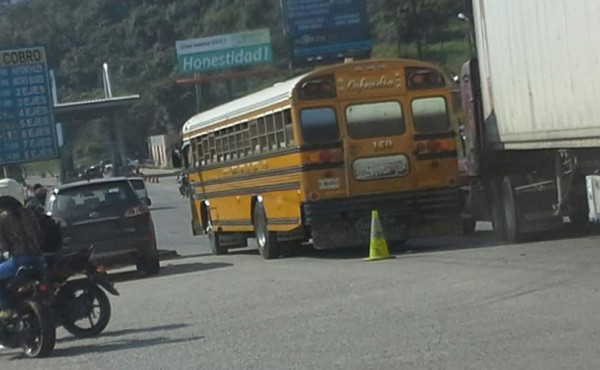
(119, 156)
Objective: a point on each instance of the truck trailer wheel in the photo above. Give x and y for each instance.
(468, 225)
(496, 205)
(512, 215)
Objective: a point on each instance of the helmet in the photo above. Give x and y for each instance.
(10, 187)
(40, 194)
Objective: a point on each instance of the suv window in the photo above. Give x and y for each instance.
(92, 201)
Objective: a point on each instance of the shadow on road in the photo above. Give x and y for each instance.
(185, 256)
(119, 345)
(168, 270)
(423, 245)
(245, 251)
(125, 332)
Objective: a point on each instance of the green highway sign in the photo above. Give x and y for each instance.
(224, 51)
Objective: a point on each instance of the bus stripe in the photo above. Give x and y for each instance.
(435, 135)
(253, 190)
(259, 157)
(270, 221)
(438, 155)
(270, 173)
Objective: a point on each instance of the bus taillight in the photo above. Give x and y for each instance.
(435, 146)
(327, 156)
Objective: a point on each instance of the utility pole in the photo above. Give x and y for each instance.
(118, 150)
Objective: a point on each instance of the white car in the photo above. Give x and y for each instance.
(12, 188)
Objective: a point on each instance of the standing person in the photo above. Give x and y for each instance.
(20, 237)
(38, 200)
(51, 240)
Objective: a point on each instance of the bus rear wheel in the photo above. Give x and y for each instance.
(266, 240)
(214, 238)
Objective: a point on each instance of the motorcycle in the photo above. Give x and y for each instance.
(80, 306)
(184, 186)
(32, 327)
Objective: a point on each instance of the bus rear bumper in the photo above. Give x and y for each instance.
(337, 223)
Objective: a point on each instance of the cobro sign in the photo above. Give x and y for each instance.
(27, 131)
(22, 56)
(224, 51)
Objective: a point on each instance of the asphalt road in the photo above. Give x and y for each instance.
(451, 303)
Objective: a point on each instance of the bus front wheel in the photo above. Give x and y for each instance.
(266, 241)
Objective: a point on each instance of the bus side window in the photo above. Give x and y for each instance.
(279, 130)
(271, 132)
(246, 148)
(254, 145)
(184, 156)
(238, 141)
(195, 154)
(289, 131)
(213, 150)
(219, 147)
(262, 135)
(226, 133)
(205, 150)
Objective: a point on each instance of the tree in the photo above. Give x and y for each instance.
(137, 39)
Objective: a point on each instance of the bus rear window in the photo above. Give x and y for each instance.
(374, 120)
(430, 115)
(319, 125)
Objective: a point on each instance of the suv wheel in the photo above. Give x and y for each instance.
(149, 264)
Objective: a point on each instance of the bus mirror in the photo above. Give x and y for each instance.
(176, 159)
(463, 139)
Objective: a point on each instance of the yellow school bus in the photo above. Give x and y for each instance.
(311, 157)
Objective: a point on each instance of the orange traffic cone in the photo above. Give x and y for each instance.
(378, 248)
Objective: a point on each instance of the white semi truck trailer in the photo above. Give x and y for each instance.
(532, 132)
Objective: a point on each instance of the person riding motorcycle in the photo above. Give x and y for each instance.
(20, 238)
(184, 185)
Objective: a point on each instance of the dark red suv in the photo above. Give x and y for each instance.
(108, 214)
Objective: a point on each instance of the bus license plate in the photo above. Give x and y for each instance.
(380, 167)
(330, 183)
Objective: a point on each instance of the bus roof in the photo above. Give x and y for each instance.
(279, 92)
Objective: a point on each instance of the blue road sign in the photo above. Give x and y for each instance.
(324, 28)
(27, 130)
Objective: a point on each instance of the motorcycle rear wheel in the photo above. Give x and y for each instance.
(93, 298)
(37, 333)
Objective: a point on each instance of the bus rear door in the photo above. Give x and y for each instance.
(377, 148)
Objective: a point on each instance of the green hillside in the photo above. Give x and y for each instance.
(137, 39)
